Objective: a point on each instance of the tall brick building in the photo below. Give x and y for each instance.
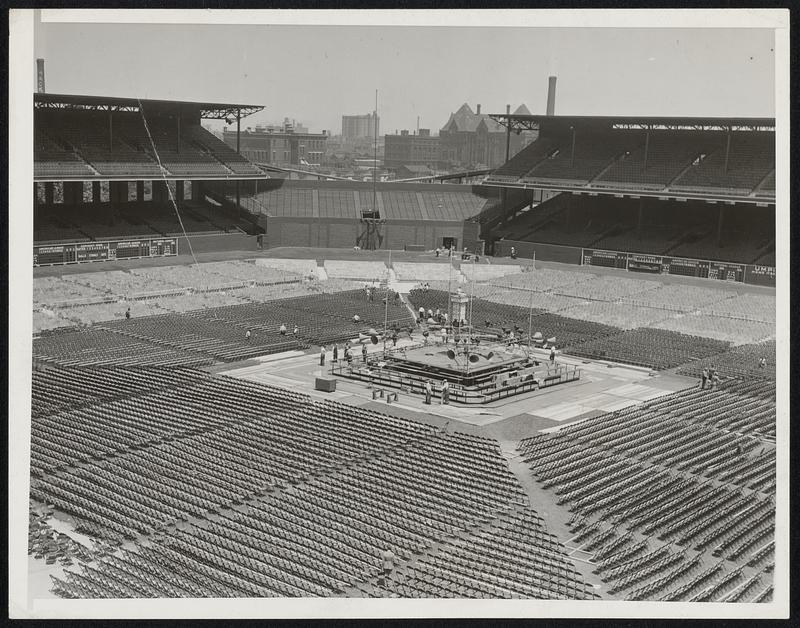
(407, 149)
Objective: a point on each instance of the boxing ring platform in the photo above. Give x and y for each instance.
(477, 373)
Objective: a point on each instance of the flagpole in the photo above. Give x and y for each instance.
(450, 291)
(471, 308)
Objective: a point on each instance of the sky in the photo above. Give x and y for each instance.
(315, 74)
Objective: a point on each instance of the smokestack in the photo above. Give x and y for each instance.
(40, 76)
(551, 95)
(479, 108)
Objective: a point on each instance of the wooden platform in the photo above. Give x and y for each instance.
(602, 388)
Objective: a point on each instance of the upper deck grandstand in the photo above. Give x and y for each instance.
(93, 137)
(708, 158)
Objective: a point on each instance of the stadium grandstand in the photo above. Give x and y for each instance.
(108, 169)
(212, 415)
(696, 193)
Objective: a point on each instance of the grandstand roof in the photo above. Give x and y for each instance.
(530, 122)
(219, 111)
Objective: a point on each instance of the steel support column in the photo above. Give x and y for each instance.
(239, 152)
(572, 154)
(48, 193)
(504, 191)
(727, 150)
(570, 199)
(639, 222)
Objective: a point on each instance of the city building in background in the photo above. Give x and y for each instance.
(412, 149)
(471, 139)
(288, 144)
(359, 127)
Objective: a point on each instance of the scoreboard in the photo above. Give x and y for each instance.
(644, 263)
(50, 255)
(609, 259)
(640, 263)
(761, 275)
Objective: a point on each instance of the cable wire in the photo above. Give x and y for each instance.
(166, 183)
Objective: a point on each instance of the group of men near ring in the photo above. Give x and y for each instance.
(347, 355)
(444, 390)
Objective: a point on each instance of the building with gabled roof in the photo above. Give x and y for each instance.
(473, 139)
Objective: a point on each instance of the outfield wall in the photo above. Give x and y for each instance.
(714, 270)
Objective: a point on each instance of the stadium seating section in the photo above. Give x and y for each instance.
(132, 220)
(108, 311)
(750, 307)
(622, 315)
(542, 279)
(220, 487)
(740, 362)
(365, 271)
(401, 205)
(677, 297)
(98, 347)
(656, 240)
(684, 161)
(687, 230)
(592, 153)
(638, 482)
(450, 205)
(482, 272)
(751, 159)
(605, 288)
(420, 271)
(767, 186)
(297, 266)
(736, 331)
(71, 144)
(53, 290)
(525, 160)
(277, 495)
(313, 199)
(217, 332)
(546, 301)
(655, 348)
(667, 156)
